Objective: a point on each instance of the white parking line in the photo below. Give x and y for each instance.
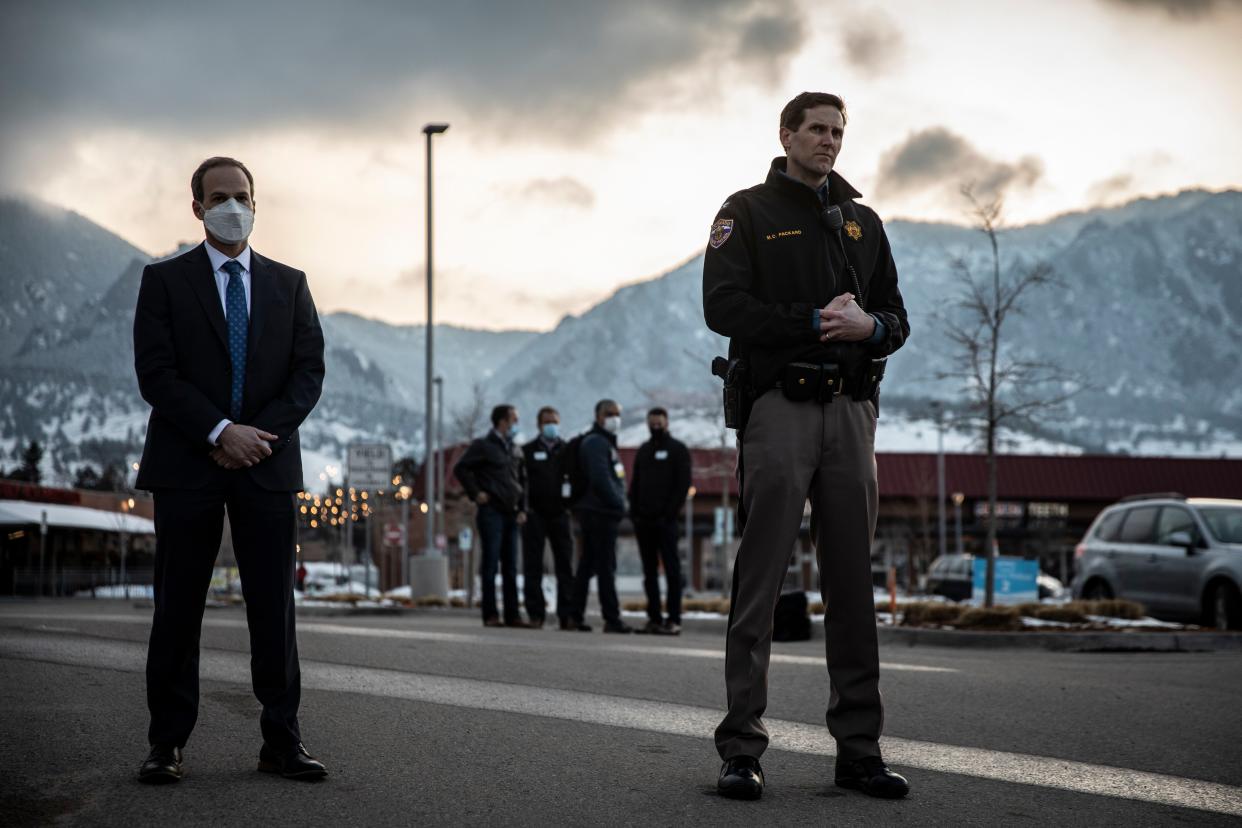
(324, 628)
(656, 717)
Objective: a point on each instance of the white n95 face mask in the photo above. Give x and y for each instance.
(229, 222)
(612, 424)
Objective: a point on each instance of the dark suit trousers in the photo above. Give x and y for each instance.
(599, 560)
(188, 527)
(657, 543)
(553, 527)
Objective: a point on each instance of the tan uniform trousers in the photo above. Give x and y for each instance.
(792, 452)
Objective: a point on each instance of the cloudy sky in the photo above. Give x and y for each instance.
(591, 143)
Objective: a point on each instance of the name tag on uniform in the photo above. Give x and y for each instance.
(619, 468)
(540, 455)
(567, 490)
(662, 454)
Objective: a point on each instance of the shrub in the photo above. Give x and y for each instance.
(718, 605)
(431, 601)
(816, 608)
(989, 618)
(1111, 608)
(458, 602)
(920, 613)
(1064, 613)
(634, 606)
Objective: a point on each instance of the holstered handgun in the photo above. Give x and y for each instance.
(737, 397)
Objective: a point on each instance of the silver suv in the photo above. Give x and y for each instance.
(1180, 557)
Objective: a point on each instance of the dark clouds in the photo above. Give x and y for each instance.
(564, 191)
(558, 69)
(1180, 9)
(936, 159)
(872, 42)
(1109, 189)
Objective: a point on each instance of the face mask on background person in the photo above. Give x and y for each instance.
(551, 431)
(229, 222)
(657, 431)
(612, 424)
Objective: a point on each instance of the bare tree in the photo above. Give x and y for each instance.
(469, 418)
(1004, 389)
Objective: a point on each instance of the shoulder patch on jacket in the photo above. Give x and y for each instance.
(721, 230)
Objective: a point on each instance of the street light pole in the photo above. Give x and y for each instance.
(440, 522)
(939, 409)
(958, 497)
(429, 455)
(126, 505)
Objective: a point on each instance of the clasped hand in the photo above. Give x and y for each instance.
(241, 446)
(843, 320)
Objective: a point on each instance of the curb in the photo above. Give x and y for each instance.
(1069, 642)
(1090, 641)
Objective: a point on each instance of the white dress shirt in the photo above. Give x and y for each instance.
(222, 282)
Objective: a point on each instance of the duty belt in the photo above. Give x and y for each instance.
(806, 381)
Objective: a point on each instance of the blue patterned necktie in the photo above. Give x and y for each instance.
(239, 325)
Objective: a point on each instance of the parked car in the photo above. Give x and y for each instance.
(953, 577)
(1180, 557)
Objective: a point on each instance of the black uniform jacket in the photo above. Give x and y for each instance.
(493, 466)
(770, 264)
(184, 370)
(661, 479)
(543, 475)
(605, 476)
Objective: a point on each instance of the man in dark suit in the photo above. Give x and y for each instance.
(229, 353)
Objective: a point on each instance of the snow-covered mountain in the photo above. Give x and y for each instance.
(1148, 310)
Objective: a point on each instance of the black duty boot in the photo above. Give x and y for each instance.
(292, 763)
(741, 778)
(871, 776)
(163, 765)
(619, 627)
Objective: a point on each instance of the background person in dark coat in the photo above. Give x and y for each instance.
(658, 489)
(492, 473)
(547, 517)
(599, 511)
(229, 353)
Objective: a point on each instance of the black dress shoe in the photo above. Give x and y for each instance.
(568, 625)
(741, 778)
(163, 765)
(871, 776)
(618, 628)
(579, 626)
(292, 763)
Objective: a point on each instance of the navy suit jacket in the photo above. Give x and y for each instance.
(184, 371)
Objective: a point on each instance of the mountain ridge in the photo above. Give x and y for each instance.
(1138, 278)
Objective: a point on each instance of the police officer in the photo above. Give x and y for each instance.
(599, 511)
(658, 489)
(547, 517)
(807, 295)
(492, 473)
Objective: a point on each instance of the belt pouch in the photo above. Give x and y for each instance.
(870, 377)
(800, 381)
(830, 381)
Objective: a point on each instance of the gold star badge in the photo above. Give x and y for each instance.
(854, 231)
